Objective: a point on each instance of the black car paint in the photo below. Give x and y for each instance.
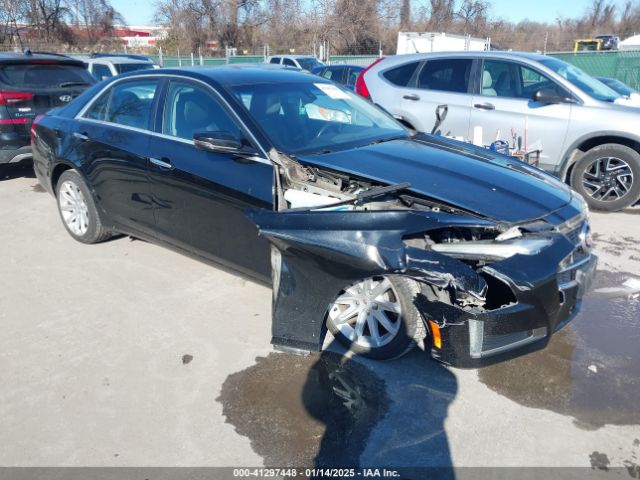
(193, 205)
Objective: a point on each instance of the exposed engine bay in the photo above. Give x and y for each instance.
(330, 229)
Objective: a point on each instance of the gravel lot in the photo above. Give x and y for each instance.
(129, 354)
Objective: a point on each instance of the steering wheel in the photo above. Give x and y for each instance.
(326, 127)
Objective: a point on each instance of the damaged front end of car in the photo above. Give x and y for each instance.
(487, 287)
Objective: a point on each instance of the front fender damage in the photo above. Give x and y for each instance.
(318, 253)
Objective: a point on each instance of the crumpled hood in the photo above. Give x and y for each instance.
(467, 177)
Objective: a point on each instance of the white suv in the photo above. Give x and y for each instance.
(585, 137)
(106, 67)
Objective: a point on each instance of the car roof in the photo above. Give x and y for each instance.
(488, 54)
(347, 65)
(293, 56)
(115, 59)
(237, 74)
(11, 57)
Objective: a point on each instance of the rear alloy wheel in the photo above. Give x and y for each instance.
(608, 177)
(377, 317)
(77, 209)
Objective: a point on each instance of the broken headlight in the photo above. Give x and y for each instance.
(492, 250)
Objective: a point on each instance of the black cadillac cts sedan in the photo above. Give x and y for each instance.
(384, 237)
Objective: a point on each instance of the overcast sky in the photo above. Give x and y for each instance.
(140, 12)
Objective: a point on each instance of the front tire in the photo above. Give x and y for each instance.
(377, 317)
(78, 210)
(608, 177)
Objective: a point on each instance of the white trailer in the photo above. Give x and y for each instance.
(423, 42)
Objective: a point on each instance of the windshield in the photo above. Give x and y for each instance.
(131, 67)
(308, 63)
(34, 75)
(585, 82)
(308, 117)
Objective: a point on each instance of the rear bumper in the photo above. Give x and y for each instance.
(15, 154)
(476, 339)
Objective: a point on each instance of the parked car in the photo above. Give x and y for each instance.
(608, 42)
(103, 67)
(586, 139)
(629, 95)
(483, 252)
(305, 62)
(133, 56)
(30, 84)
(343, 74)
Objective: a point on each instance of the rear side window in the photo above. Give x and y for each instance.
(353, 76)
(448, 75)
(127, 104)
(401, 76)
(334, 74)
(275, 60)
(44, 75)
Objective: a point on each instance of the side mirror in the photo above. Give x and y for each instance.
(222, 142)
(549, 95)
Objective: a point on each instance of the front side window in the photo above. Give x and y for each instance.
(127, 104)
(512, 80)
(289, 62)
(447, 75)
(191, 109)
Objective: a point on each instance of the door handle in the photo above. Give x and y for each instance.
(411, 96)
(485, 106)
(81, 136)
(162, 163)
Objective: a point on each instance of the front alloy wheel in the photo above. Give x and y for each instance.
(376, 317)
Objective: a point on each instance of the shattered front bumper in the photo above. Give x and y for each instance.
(541, 308)
(316, 254)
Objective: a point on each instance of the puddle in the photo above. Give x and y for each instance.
(305, 411)
(38, 188)
(589, 370)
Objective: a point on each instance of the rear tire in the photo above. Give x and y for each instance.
(608, 177)
(377, 317)
(78, 210)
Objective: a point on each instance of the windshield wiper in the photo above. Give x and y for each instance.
(72, 84)
(361, 197)
(390, 139)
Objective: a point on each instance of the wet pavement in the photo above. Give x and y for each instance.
(323, 408)
(315, 410)
(589, 370)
